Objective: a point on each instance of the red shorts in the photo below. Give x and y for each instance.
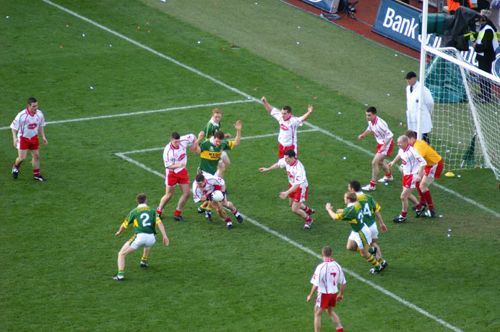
(177, 178)
(326, 301)
(282, 149)
(434, 171)
(299, 195)
(387, 151)
(28, 143)
(409, 181)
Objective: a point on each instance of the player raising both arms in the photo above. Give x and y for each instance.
(175, 159)
(385, 144)
(289, 125)
(432, 171)
(204, 186)
(298, 186)
(413, 169)
(370, 208)
(144, 220)
(360, 238)
(213, 126)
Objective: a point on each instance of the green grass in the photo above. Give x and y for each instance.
(58, 245)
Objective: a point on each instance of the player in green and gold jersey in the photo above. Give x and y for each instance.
(360, 237)
(144, 220)
(213, 126)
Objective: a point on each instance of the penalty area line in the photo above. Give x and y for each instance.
(311, 252)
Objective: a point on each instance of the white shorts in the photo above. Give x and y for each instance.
(142, 240)
(363, 238)
(374, 231)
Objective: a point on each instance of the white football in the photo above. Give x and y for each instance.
(217, 196)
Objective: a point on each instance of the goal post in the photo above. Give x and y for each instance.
(466, 122)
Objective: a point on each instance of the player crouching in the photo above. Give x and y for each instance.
(208, 188)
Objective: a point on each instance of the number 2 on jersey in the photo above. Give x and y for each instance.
(145, 219)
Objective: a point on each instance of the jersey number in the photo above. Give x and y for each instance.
(366, 210)
(145, 219)
(333, 274)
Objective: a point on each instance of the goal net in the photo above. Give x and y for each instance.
(466, 122)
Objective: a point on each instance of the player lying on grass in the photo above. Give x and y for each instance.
(205, 188)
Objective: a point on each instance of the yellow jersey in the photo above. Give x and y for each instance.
(427, 152)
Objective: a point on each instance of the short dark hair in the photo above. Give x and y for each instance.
(351, 197)
(355, 185)
(288, 109)
(327, 251)
(141, 198)
(32, 100)
(219, 135)
(410, 134)
(175, 135)
(200, 177)
(371, 109)
(290, 153)
(410, 75)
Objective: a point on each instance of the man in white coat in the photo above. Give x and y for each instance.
(413, 104)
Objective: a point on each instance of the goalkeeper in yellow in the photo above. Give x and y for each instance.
(144, 219)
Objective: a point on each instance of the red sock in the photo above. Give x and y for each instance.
(308, 219)
(340, 329)
(307, 210)
(388, 175)
(403, 214)
(177, 213)
(373, 183)
(36, 172)
(227, 220)
(420, 194)
(428, 199)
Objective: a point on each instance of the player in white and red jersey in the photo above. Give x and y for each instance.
(25, 128)
(175, 159)
(412, 165)
(385, 144)
(297, 186)
(326, 280)
(203, 187)
(289, 124)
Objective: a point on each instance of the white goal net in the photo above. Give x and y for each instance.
(466, 122)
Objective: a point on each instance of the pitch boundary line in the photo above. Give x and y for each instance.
(162, 110)
(305, 249)
(249, 97)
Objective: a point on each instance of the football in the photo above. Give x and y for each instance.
(217, 196)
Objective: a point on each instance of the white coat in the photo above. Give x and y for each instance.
(412, 105)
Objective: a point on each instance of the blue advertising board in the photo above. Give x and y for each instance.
(325, 5)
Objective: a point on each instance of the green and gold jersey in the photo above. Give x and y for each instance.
(369, 207)
(211, 128)
(143, 218)
(210, 155)
(354, 215)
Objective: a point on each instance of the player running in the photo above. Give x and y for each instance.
(203, 187)
(175, 159)
(360, 238)
(385, 144)
(298, 186)
(289, 125)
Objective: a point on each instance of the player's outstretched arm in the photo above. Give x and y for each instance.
(120, 230)
(306, 115)
(329, 209)
(266, 104)
(395, 160)
(238, 125)
(267, 169)
(364, 134)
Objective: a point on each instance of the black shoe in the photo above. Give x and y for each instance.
(383, 265)
(39, 178)
(208, 215)
(201, 210)
(144, 264)
(399, 219)
(239, 217)
(118, 278)
(421, 212)
(229, 226)
(430, 213)
(178, 218)
(375, 270)
(15, 173)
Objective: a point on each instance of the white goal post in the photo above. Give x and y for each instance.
(466, 122)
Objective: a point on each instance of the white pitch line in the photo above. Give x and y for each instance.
(311, 252)
(249, 97)
(162, 110)
(243, 138)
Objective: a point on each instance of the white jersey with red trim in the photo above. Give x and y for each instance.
(296, 172)
(28, 125)
(327, 276)
(213, 183)
(411, 160)
(380, 130)
(288, 128)
(172, 155)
